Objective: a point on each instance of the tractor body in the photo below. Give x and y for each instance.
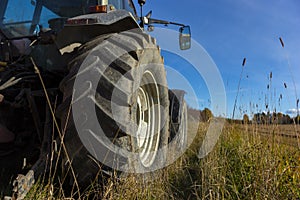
(40, 42)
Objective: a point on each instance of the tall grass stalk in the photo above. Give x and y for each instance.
(238, 89)
(295, 90)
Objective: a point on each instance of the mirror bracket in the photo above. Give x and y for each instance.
(184, 30)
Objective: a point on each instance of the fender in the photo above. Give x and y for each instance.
(83, 28)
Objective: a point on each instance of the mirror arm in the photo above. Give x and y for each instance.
(177, 24)
(158, 21)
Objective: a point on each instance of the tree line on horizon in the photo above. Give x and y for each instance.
(258, 118)
(274, 118)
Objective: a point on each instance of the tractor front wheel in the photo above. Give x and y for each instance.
(130, 101)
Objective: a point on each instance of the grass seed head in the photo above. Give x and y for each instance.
(244, 62)
(281, 42)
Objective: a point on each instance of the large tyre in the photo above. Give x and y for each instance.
(131, 103)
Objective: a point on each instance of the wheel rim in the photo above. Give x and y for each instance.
(148, 119)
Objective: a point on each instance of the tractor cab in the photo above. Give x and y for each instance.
(46, 23)
(28, 18)
(25, 18)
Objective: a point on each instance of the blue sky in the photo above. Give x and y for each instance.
(230, 30)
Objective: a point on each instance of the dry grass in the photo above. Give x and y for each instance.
(245, 164)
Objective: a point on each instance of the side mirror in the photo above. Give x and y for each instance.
(185, 37)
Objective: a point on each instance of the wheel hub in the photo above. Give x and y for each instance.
(148, 119)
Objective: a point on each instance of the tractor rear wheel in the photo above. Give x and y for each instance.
(122, 76)
(178, 124)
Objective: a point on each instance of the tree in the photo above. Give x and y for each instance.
(297, 119)
(280, 118)
(246, 119)
(206, 115)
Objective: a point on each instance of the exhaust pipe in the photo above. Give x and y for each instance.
(101, 7)
(102, 2)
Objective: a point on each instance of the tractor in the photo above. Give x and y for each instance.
(76, 75)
